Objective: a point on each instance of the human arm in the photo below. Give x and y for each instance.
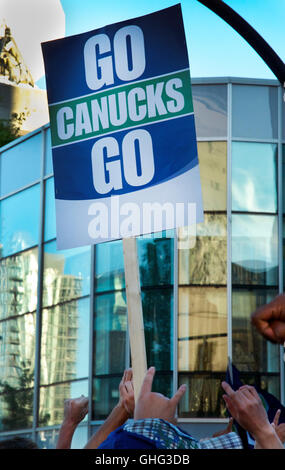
(246, 407)
(75, 411)
(156, 405)
(120, 413)
(279, 429)
(269, 320)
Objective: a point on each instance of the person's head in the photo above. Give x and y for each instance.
(18, 443)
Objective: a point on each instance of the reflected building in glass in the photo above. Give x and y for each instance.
(63, 314)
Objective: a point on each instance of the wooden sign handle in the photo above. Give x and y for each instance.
(135, 313)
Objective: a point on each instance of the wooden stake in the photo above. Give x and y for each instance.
(135, 313)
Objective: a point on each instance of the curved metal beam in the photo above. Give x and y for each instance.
(253, 38)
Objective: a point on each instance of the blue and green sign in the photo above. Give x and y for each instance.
(122, 128)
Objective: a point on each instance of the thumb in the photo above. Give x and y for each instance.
(178, 395)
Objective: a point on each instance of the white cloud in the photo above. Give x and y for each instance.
(33, 22)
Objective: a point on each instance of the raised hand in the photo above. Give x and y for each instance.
(270, 320)
(156, 405)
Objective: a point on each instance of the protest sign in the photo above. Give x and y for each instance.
(123, 142)
(123, 132)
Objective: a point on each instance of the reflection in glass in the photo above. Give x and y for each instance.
(283, 174)
(16, 409)
(105, 395)
(50, 220)
(20, 221)
(110, 333)
(206, 262)
(26, 159)
(254, 250)
(203, 397)
(52, 400)
(213, 174)
(47, 439)
(18, 284)
(254, 177)
(210, 107)
(158, 324)
(254, 111)
(66, 274)
(17, 356)
(202, 349)
(202, 329)
(17, 347)
(109, 271)
(251, 352)
(64, 342)
(48, 153)
(153, 254)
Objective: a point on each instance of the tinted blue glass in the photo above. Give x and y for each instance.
(48, 153)
(210, 107)
(66, 274)
(255, 111)
(65, 342)
(155, 256)
(109, 266)
(110, 326)
(50, 220)
(21, 165)
(254, 250)
(20, 221)
(254, 177)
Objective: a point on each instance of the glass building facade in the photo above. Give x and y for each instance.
(63, 314)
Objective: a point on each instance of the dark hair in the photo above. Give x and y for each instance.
(18, 443)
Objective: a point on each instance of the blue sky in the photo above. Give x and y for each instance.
(214, 48)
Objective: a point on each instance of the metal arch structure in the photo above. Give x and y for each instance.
(272, 60)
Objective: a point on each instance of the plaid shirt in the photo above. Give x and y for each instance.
(168, 436)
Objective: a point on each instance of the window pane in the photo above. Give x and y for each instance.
(105, 395)
(26, 158)
(255, 111)
(155, 257)
(47, 439)
(65, 342)
(17, 346)
(210, 107)
(110, 333)
(18, 284)
(254, 250)
(283, 176)
(213, 174)
(66, 274)
(20, 220)
(254, 177)
(202, 349)
(251, 352)
(17, 355)
(202, 329)
(206, 262)
(52, 400)
(158, 324)
(48, 153)
(16, 409)
(50, 224)
(109, 272)
(203, 397)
